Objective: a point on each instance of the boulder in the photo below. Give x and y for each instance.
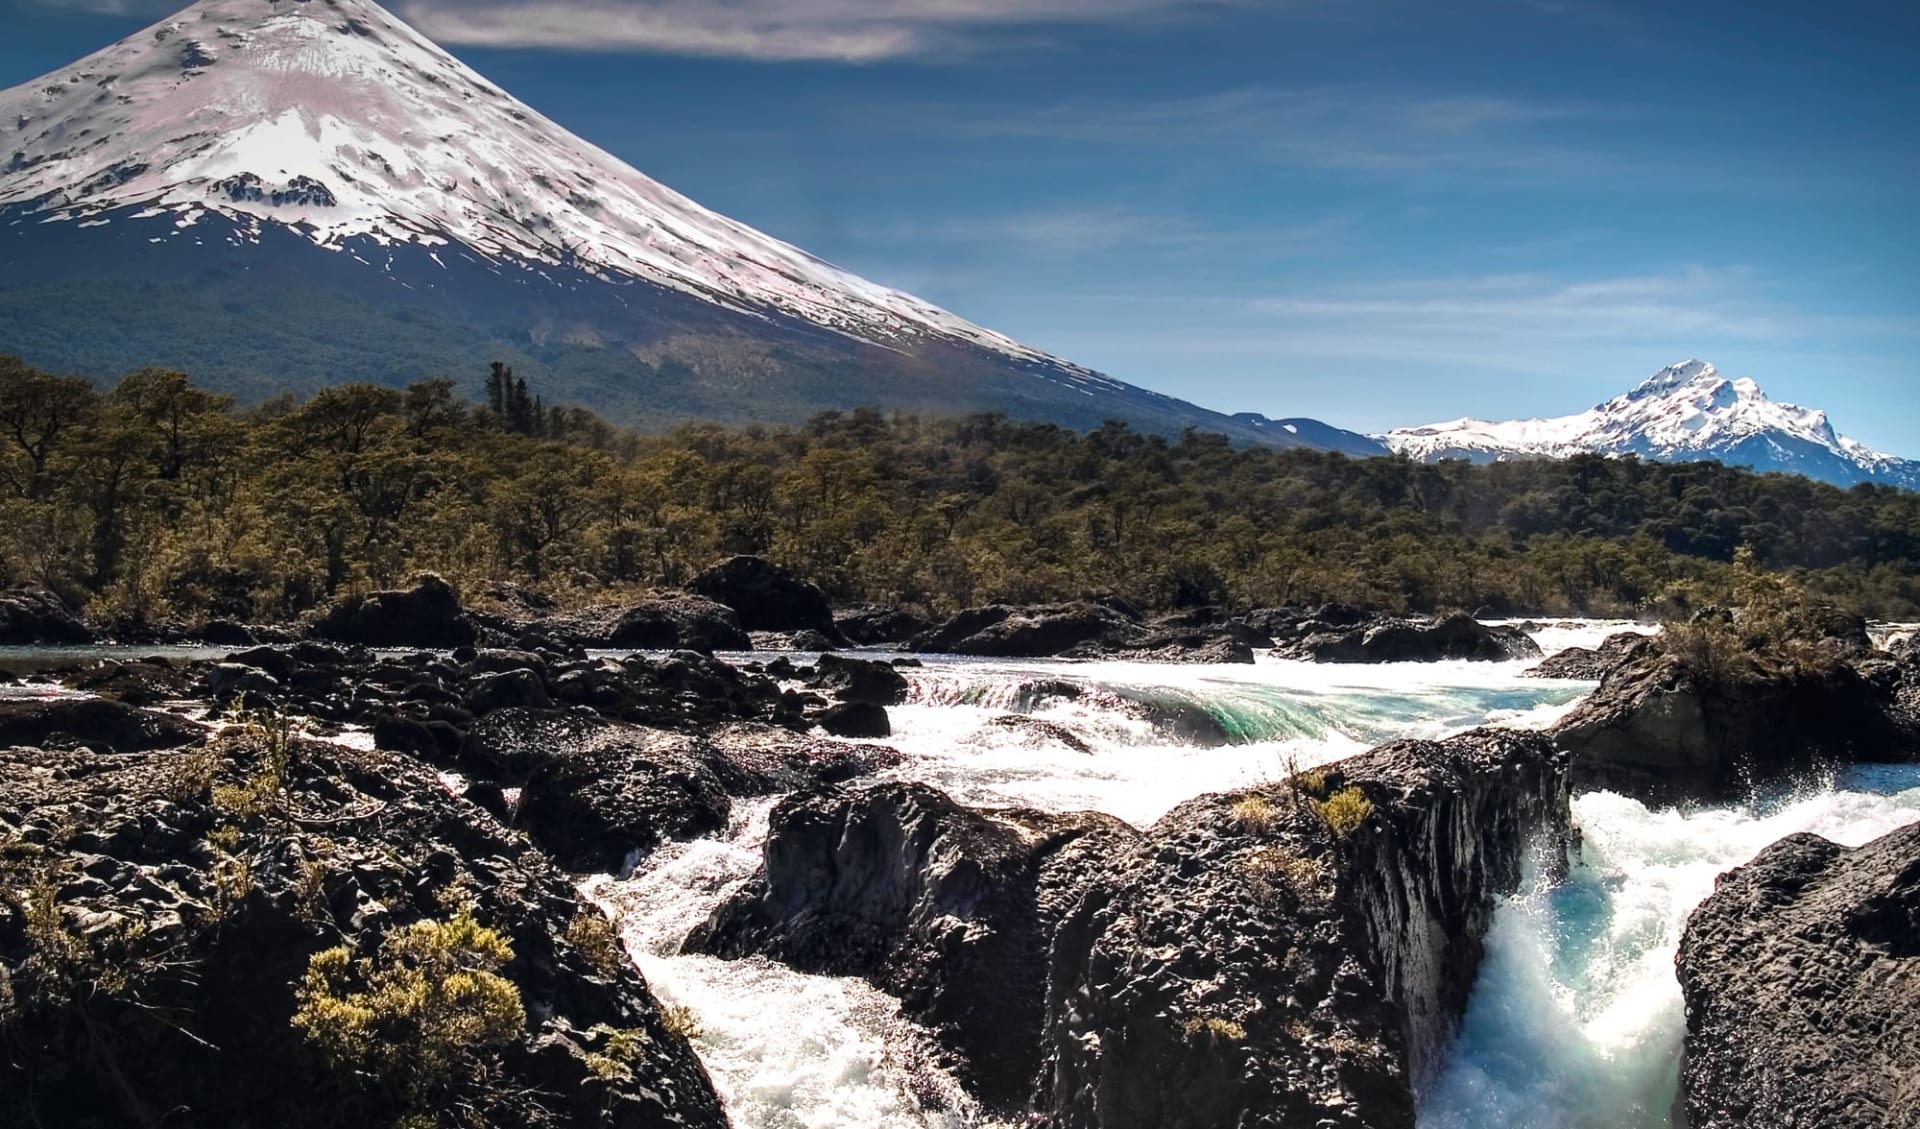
(625, 790)
(870, 625)
(513, 688)
(1585, 664)
(34, 617)
(1295, 956)
(858, 680)
(1387, 640)
(949, 909)
(226, 633)
(1666, 727)
(1037, 632)
(426, 615)
(690, 623)
(1039, 731)
(592, 791)
(1801, 975)
(812, 641)
(95, 723)
(766, 596)
(145, 683)
(855, 719)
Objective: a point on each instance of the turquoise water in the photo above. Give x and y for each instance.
(1577, 1020)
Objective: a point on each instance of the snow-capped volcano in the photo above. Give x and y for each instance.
(336, 117)
(324, 145)
(1685, 412)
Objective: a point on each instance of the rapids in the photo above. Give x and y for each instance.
(1575, 1023)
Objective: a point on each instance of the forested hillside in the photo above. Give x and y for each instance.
(157, 499)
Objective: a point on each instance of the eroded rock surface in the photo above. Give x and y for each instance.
(1250, 963)
(1802, 980)
(948, 908)
(160, 910)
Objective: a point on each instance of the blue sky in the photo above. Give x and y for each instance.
(1375, 212)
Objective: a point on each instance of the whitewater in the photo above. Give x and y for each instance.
(1576, 1021)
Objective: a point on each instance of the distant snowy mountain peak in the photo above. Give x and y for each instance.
(336, 119)
(1685, 412)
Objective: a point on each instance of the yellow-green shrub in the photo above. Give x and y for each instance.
(1344, 811)
(426, 1007)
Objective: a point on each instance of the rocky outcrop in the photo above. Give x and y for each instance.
(159, 913)
(95, 723)
(1588, 664)
(1668, 725)
(871, 625)
(859, 680)
(950, 909)
(624, 790)
(1388, 639)
(1802, 981)
(689, 623)
(1086, 629)
(31, 617)
(592, 792)
(766, 596)
(426, 615)
(1294, 957)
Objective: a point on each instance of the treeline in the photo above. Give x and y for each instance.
(157, 499)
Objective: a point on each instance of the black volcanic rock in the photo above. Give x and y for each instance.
(1006, 632)
(1588, 664)
(948, 908)
(1666, 727)
(859, 680)
(1244, 962)
(35, 617)
(1246, 965)
(869, 625)
(1802, 981)
(164, 904)
(629, 789)
(855, 719)
(426, 615)
(766, 596)
(691, 623)
(1089, 629)
(1385, 639)
(97, 723)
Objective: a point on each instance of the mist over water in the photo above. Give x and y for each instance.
(1575, 1023)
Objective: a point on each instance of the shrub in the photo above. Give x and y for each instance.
(426, 1008)
(622, 1051)
(1256, 814)
(593, 935)
(679, 1020)
(1213, 1028)
(1344, 811)
(1273, 868)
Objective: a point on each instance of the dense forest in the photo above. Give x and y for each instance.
(160, 500)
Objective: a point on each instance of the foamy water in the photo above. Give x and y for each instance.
(1577, 1020)
(1575, 1023)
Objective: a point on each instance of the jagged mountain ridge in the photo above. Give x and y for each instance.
(1685, 412)
(183, 155)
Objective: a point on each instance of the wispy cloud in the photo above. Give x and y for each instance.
(1490, 314)
(840, 30)
(1073, 232)
(1332, 128)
